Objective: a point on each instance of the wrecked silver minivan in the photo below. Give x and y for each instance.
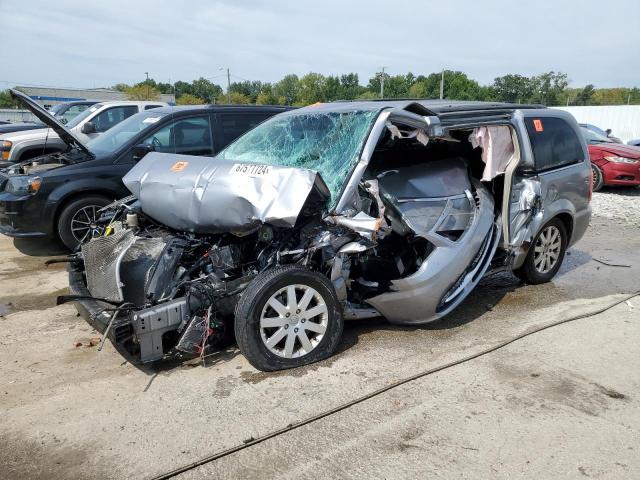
(339, 211)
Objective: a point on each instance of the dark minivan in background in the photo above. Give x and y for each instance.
(58, 195)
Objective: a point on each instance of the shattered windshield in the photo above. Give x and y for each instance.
(327, 142)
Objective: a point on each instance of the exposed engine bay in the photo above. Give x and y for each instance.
(178, 255)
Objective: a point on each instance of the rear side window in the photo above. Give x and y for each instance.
(112, 116)
(554, 142)
(235, 124)
(191, 136)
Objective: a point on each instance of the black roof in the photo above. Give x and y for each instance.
(438, 107)
(183, 109)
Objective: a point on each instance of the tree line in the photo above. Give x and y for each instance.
(550, 88)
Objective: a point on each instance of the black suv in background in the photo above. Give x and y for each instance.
(59, 194)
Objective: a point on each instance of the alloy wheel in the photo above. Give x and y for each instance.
(293, 321)
(547, 249)
(84, 223)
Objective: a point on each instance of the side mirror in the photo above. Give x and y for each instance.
(88, 128)
(608, 132)
(141, 150)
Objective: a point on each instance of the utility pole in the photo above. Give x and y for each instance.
(629, 98)
(382, 82)
(147, 82)
(228, 87)
(442, 85)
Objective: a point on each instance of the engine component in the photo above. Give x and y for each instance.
(151, 323)
(225, 258)
(132, 220)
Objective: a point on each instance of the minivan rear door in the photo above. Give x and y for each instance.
(552, 176)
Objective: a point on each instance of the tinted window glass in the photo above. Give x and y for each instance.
(235, 124)
(554, 142)
(73, 111)
(112, 116)
(188, 136)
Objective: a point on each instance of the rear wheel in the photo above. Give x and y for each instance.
(545, 255)
(287, 317)
(77, 223)
(597, 177)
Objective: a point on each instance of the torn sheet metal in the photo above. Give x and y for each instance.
(363, 224)
(497, 149)
(448, 274)
(212, 195)
(527, 212)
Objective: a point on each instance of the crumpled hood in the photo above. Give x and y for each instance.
(210, 195)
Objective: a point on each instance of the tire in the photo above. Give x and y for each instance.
(72, 213)
(598, 178)
(532, 274)
(287, 326)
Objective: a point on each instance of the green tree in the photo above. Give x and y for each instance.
(188, 99)
(206, 90)
(311, 89)
(512, 88)
(288, 88)
(584, 95)
(6, 100)
(251, 88)
(239, 98)
(266, 98)
(182, 88)
(350, 87)
(142, 92)
(121, 87)
(396, 86)
(367, 95)
(548, 87)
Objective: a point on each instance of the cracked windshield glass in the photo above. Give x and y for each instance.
(329, 143)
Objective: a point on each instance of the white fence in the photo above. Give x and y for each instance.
(14, 115)
(623, 120)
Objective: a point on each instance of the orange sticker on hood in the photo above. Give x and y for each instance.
(179, 166)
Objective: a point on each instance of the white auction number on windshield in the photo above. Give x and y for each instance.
(250, 169)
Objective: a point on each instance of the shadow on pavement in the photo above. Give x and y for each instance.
(40, 247)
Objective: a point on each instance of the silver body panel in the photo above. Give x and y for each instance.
(209, 195)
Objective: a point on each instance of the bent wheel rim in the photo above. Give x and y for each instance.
(84, 223)
(293, 321)
(547, 249)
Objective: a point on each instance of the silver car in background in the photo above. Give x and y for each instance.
(88, 124)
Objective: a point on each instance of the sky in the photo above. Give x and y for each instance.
(67, 43)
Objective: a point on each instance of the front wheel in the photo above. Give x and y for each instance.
(597, 178)
(287, 317)
(77, 222)
(545, 255)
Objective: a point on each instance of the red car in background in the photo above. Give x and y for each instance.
(612, 163)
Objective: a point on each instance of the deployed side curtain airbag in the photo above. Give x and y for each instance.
(497, 149)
